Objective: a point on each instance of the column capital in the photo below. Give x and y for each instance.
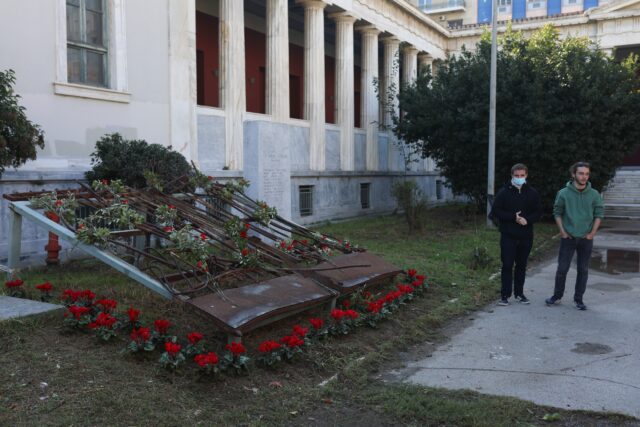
(410, 50)
(423, 56)
(312, 4)
(368, 29)
(343, 17)
(390, 40)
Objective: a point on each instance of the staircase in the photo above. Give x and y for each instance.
(622, 196)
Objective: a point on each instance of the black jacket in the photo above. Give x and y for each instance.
(510, 200)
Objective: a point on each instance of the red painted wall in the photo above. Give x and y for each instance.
(255, 65)
(207, 59)
(207, 55)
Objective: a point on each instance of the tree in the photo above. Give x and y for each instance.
(19, 138)
(133, 160)
(558, 102)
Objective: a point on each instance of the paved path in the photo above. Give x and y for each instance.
(556, 356)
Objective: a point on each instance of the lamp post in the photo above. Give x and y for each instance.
(492, 111)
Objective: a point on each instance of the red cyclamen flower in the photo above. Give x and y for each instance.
(45, 287)
(104, 320)
(168, 229)
(133, 314)
(352, 314)
(236, 348)
(300, 331)
(162, 325)
(13, 283)
(337, 314)
(268, 346)
(172, 348)
(317, 322)
(243, 234)
(411, 272)
(206, 359)
(346, 303)
(141, 334)
(107, 304)
(292, 341)
(194, 337)
(78, 311)
(245, 252)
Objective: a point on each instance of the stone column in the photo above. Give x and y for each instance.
(369, 104)
(345, 87)
(314, 84)
(410, 64)
(232, 79)
(391, 81)
(277, 73)
(424, 59)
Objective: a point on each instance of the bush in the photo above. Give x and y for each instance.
(411, 200)
(129, 160)
(19, 138)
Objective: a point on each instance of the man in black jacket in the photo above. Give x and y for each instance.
(517, 206)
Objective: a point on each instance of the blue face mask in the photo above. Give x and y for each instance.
(518, 181)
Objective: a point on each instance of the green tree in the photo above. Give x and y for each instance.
(558, 102)
(19, 138)
(130, 160)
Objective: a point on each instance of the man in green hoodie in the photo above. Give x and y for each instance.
(578, 211)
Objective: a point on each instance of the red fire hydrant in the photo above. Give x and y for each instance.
(53, 247)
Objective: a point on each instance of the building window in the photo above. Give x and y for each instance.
(571, 2)
(536, 4)
(87, 42)
(439, 190)
(365, 195)
(504, 7)
(305, 193)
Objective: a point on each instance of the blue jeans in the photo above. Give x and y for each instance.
(514, 251)
(567, 247)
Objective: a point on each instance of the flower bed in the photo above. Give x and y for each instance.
(85, 311)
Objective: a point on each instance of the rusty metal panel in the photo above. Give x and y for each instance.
(251, 306)
(347, 280)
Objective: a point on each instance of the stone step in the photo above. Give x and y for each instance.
(631, 211)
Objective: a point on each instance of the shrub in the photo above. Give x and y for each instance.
(129, 160)
(412, 201)
(19, 138)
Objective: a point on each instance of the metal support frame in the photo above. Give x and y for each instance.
(22, 209)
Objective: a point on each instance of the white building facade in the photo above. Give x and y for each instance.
(281, 92)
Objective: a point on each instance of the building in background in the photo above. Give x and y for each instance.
(281, 92)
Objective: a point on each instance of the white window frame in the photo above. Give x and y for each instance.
(575, 2)
(542, 4)
(117, 91)
(504, 7)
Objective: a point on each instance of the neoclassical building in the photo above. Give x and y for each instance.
(282, 92)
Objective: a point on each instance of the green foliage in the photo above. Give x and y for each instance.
(411, 199)
(558, 102)
(19, 137)
(135, 162)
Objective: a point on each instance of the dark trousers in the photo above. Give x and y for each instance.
(514, 251)
(567, 247)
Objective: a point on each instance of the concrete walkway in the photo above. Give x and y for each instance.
(556, 356)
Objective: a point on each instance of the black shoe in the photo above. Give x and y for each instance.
(522, 299)
(580, 305)
(503, 301)
(552, 300)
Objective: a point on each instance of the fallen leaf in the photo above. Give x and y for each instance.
(328, 401)
(293, 412)
(275, 384)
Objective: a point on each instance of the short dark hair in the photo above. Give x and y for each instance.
(519, 167)
(574, 167)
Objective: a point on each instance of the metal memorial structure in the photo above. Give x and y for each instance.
(203, 243)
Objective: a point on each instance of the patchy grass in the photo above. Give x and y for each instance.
(89, 383)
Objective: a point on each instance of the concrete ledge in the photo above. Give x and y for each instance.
(11, 308)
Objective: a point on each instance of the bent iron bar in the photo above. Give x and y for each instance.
(237, 297)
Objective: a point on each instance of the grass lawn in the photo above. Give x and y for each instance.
(89, 383)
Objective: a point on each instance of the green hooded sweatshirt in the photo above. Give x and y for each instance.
(578, 209)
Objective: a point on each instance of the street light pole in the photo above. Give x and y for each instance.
(492, 111)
